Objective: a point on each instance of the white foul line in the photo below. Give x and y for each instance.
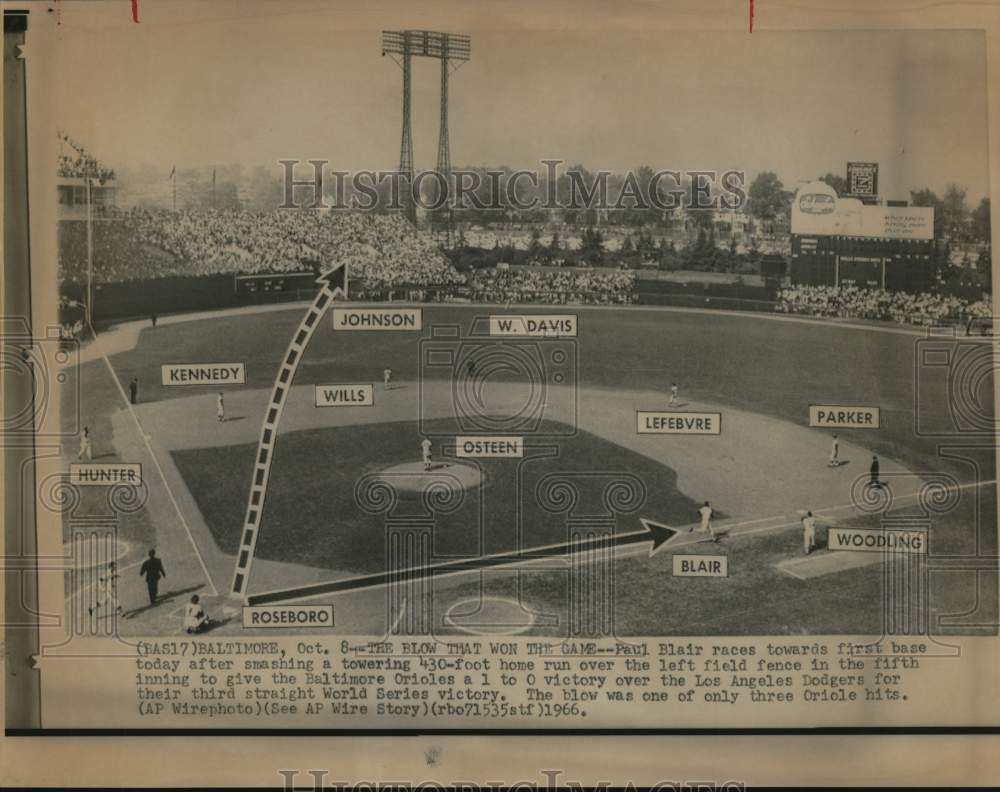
(156, 462)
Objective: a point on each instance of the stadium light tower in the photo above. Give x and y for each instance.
(452, 49)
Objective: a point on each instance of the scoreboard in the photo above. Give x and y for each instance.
(892, 264)
(274, 282)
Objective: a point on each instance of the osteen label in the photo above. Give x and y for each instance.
(891, 541)
(844, 417)
(377, 318)
(701, 566)
(288, 616)
(105, 475)
(203, 374)
(345, 395)
(556, 325)
(489, 447)
(683, 423)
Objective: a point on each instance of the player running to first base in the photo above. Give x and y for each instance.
(706, 512)
(107, 590)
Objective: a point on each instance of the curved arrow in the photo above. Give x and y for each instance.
(651, 531)
(334, 282)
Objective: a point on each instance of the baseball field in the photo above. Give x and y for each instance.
(760, 473)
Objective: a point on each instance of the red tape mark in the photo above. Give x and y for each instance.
(751, 14)
(135, 11)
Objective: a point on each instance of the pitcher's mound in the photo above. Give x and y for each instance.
(411, 476)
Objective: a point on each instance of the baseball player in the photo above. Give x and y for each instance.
(107, 590)
(673, 394)
(706, 513)
(220, 407)
(808, 533)
(387, 378)
(425, 449)
(834, 452)
(873, 472)
(85, 445)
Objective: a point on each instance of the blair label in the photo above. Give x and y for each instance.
(484, 447)
(555, 326)
(701, 566)
(683, 423)
(844, 417)
(377, 318)
(878, 541)
(104, 475)
(345, 395)
(204, 374)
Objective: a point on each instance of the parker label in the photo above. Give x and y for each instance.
(98, 474)
(556, 325)
(844, 417)
(682, 423)
(203, 374)
(377, 318)
(481, 447)
(362, 395)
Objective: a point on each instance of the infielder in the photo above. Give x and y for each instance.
(220, 407)
(808, 533)
(387, 378)
(425, 448)
(834, 452)
(673, 394)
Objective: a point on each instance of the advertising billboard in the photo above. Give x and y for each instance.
(817, 210)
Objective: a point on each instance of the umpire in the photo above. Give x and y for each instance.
(152, 569)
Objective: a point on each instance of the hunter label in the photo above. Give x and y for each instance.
(96, 474)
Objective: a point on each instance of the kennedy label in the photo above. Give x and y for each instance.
(104, 475)
(345, 395)
(844, 417)
(203, 374)
(288, 616)
(480, 447)
(684, 423)
(701, 566)
(377, 318)
(894, 541)
(556, 325)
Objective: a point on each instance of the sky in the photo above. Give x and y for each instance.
(251, 84)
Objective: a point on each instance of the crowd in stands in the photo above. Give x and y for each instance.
(382, 251)
(851, 302)
(554, 287)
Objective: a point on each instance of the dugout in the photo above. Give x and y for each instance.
(868, 262)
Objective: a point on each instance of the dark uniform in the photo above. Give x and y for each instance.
(152, 570)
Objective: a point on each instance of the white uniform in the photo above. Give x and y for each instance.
(425, 448)
(706, 519)
(85, 448)
(387, 377)
(220, 407)
(835, 452)
(107, 591)
(673, 394)
(808, 534)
